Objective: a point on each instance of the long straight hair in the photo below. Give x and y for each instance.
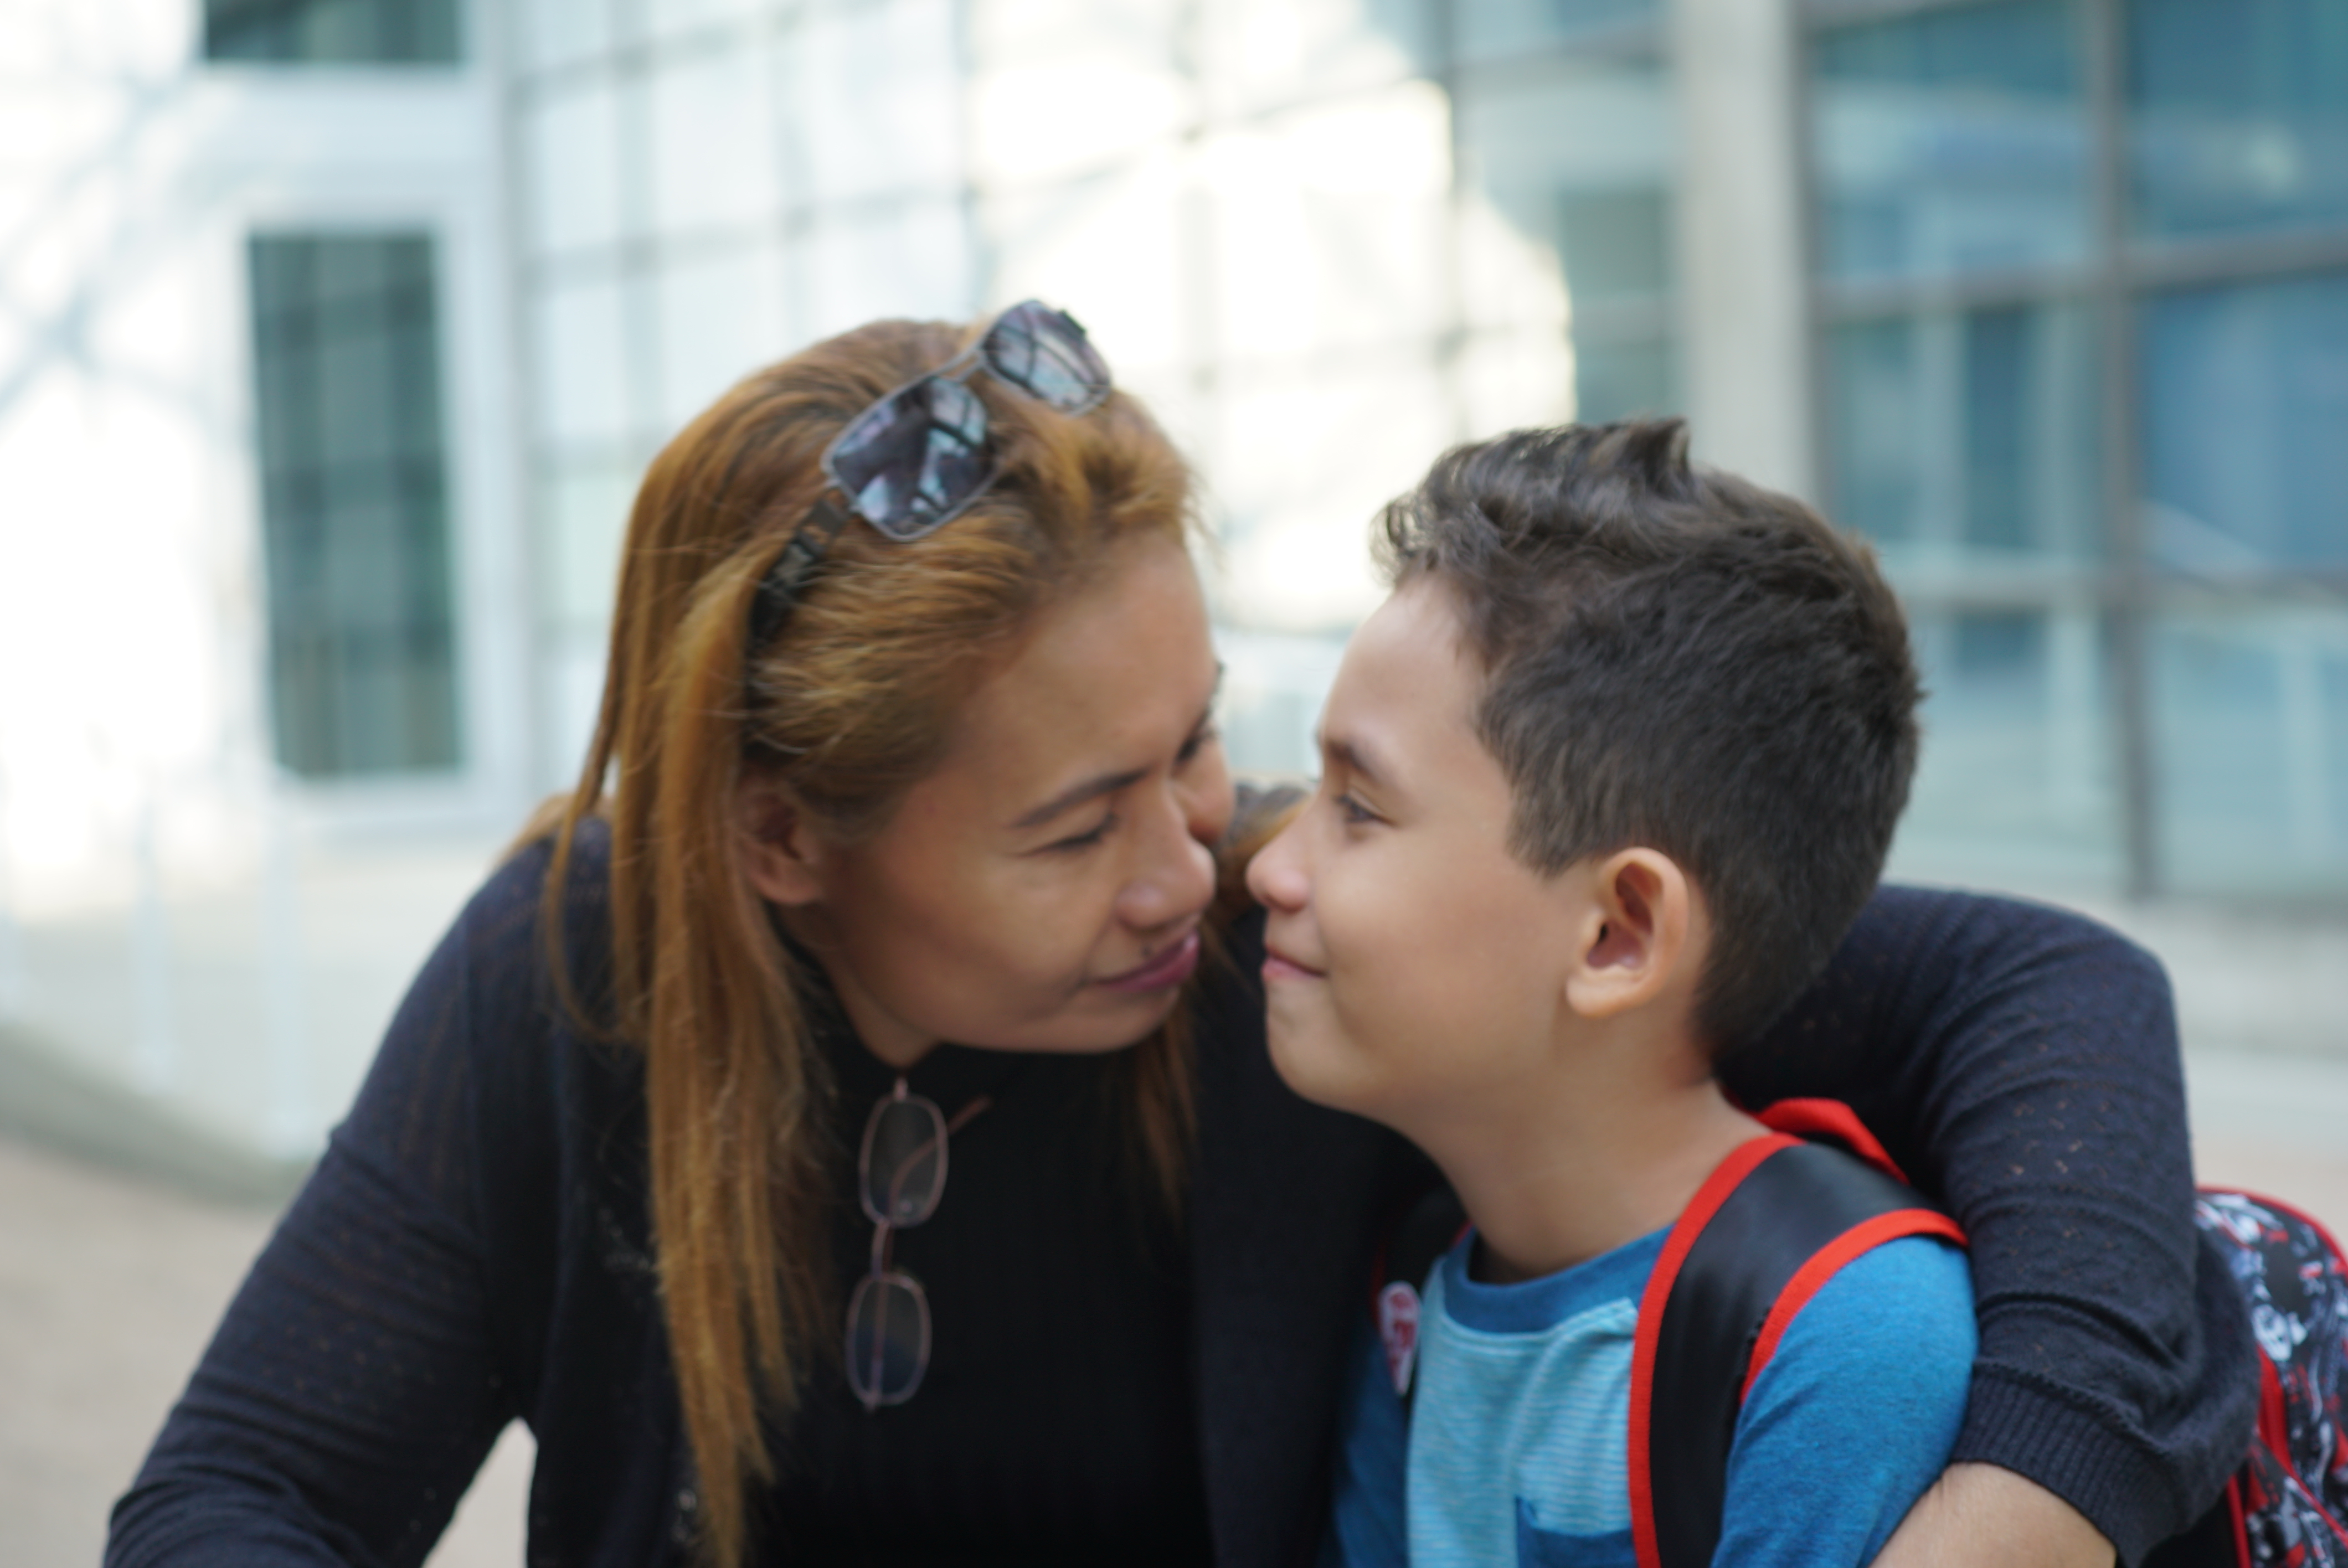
(848, 706)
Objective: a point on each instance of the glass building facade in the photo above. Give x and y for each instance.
(2081, 273)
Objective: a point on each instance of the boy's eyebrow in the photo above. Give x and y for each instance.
(1107, 784)
(1348, 752)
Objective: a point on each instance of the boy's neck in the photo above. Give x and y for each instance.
(1557, 1171)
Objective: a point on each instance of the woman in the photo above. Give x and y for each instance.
(664, 1152)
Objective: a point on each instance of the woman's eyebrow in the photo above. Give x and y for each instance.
(1107, 784)
(1069, 799)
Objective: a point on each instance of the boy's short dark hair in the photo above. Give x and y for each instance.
(1681, 660)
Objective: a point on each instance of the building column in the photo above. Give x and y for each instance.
(1743, 277)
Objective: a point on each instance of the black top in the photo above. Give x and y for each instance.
(474, 1246)
(1055, 1421)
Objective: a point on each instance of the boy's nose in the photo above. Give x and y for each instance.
(1276, 875)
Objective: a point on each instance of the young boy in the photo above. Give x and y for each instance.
(1603, 783)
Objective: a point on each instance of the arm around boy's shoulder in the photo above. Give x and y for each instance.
(2021, 1062)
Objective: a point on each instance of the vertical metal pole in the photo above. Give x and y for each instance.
(283, 993)
(980, 264)
(1451, 344)
(155, 1049)
(634, 79)
(2125, 575)
(509, 53)
(1195, 235)
(15, 973)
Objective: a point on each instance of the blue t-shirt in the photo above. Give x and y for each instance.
(1514, 1449)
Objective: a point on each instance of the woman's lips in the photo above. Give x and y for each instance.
(1171, 969)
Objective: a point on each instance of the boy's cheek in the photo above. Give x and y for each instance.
(1323, 1062)
(1305, 1050)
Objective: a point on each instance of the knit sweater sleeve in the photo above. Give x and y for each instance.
(2020, 1063)
(352, 1390)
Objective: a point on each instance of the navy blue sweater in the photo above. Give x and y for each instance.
(474, 1248)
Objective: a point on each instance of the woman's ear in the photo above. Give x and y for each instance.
(1638, 937)
(782, 854)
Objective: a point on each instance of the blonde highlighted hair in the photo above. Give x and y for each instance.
(850, 705)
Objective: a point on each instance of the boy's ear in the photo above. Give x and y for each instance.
(1638, 934)
(782, 854)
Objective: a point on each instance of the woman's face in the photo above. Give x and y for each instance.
(1043, 889)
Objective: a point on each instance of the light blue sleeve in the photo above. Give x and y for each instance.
(1855, 1416)
(1366, 1520)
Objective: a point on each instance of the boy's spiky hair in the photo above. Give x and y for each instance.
(1679, 660)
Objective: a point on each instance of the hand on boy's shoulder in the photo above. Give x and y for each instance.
(1979, 1516)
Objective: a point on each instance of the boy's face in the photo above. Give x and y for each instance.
(1413, 965)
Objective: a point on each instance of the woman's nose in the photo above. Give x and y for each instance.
(1176, 875)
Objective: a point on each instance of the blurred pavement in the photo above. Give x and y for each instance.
(110, 1287)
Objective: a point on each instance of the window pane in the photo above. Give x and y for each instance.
(354, 503)
(2245, 403)
(2015, 786)
(1584, 165)
(332, 32)
(1965, 441)
(1623, 380)
(2239, 114)
(2251, 727)
(1502, 29)
(1951, 142)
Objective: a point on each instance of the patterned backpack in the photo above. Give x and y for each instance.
(2285, 1508)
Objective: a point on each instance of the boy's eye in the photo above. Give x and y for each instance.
(1195, 744)
(1353, 812)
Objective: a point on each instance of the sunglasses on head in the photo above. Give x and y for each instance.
(916, 459)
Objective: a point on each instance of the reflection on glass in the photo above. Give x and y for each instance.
(1500, 29)
(2245, 432)
(2251, 733)
(1951, 142)
(2237, 114)
(2014, 786)
(362, 640)
(1966, 439)
(332, 32)
(1585, 163)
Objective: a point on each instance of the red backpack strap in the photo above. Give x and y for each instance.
(1776, 1220)
(1835, 1122)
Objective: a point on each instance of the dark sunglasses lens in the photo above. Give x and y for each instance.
(1046, 353)
(888, 1338)
(903, 1166)
(913, 459)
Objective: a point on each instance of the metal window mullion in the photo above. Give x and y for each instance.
(2128, 583)
(1838, 300)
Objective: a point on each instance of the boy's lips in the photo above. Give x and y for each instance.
(1170, 969)
(1279, 965)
